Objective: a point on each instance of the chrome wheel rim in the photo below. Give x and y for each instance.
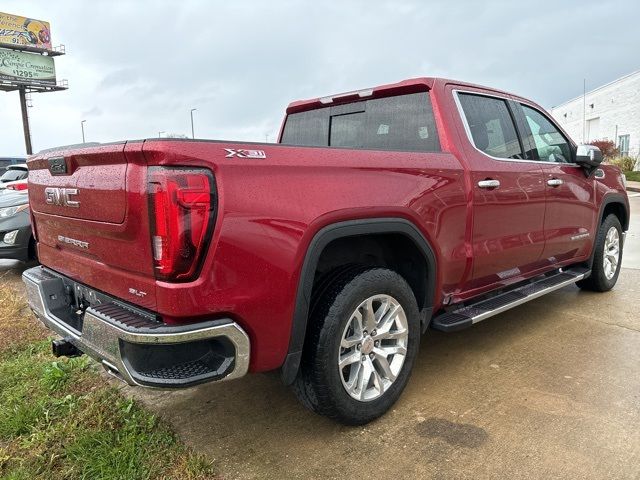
(373, 347)
(611, 255)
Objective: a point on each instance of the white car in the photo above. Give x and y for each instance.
(15, 178)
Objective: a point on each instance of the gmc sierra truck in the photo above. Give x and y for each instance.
(380, 213)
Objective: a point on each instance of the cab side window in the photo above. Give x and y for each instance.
(550, 143)
(491, 126)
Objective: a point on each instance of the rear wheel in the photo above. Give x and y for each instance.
(363, 340)
(607, 258)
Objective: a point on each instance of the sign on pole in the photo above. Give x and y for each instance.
(18, 31)
(26, 61)
(26, 68)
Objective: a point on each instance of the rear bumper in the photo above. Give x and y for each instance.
(13, 252)
(131, 344)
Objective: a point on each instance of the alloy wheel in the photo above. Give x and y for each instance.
(373, 347)
(611, 255)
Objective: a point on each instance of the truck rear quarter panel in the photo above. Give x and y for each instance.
(271, 208)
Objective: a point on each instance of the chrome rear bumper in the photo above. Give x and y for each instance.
(134, 346)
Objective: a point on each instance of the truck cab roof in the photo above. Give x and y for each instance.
(412, 85)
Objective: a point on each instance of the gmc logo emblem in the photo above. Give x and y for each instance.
(61, 197)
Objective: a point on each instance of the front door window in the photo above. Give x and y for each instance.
(550, 143)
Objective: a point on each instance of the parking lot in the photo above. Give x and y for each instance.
(547, 390)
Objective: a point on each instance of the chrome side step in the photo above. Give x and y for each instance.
(467, 315)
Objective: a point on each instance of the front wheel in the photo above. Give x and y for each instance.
(607, 257)
(363, 340)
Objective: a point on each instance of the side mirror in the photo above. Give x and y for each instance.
(588, 156)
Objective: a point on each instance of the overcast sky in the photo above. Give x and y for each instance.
(137, 67)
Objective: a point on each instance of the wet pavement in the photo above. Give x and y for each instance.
(550, 389)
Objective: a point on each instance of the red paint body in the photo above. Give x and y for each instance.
(270, 209)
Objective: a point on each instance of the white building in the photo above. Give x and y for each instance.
(610, 112)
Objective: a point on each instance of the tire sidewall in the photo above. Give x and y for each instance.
(363, 286)
(598, 267)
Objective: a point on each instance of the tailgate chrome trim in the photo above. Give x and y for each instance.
(101, 339)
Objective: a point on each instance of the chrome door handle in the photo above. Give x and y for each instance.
(489, 183)
(554, 182)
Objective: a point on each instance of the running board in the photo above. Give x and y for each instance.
(467, 315)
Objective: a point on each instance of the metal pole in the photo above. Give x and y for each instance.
(193, 135)
(82, 126)
(584, 110)
(25, 121)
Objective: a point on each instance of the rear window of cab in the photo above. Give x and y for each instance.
(402, 123)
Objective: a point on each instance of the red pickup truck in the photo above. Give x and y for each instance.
(380, 213)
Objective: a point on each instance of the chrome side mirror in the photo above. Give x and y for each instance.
(588, 156)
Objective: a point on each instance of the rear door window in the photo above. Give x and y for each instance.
(403, 123)
(491, 126)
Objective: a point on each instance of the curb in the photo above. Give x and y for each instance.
(633, 189)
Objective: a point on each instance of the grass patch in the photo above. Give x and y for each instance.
(60, 418)
(633, 176)
(18, 327)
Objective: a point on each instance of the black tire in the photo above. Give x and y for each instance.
(33, 250)
(319, 384)
(598, 281)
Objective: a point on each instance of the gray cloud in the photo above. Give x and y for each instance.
(93, 112)
(138, 67)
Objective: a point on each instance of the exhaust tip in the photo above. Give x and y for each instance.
(64, 348)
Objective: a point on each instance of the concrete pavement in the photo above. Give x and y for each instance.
(631, 256)
(550, 389)
(633, 186)
(547, 390)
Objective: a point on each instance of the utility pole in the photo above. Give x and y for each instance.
(25, 120)
(28, 67)
(584, 110)
(82, 127)
(193, 135)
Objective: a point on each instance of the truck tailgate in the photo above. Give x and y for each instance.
(89, 184)
(91, 219)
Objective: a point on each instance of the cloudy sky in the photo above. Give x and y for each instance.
(137, 67)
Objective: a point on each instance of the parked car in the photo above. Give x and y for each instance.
(16, 238)
(382, 212)
(15, 177)
(6, 161)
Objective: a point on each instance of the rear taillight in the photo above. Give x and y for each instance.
(18, 186)
(182, 202)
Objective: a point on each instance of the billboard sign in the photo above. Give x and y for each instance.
(26, 68)
(24, 32)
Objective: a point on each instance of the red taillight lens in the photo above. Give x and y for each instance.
(18, 186)
(182, 204)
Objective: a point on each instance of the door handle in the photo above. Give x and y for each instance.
(489, 183)
(554, 182)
